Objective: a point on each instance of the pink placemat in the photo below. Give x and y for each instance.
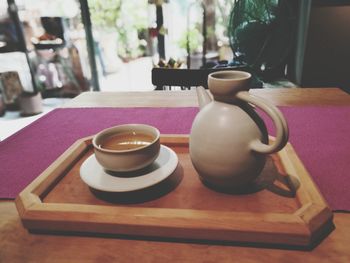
(320, 135)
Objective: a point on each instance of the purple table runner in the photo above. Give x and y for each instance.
(320, 135)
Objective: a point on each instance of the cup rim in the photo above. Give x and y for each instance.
(245, 75)
(124, 125)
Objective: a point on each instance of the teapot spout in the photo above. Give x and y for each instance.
(203, 97)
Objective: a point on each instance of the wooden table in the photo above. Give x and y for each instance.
(17, 245)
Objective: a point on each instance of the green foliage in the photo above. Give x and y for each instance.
(105, 13)
(257, 11)
(125, 19)
(195, 40)
(262, 34)
(223, 8)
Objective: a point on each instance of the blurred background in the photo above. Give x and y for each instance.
(129, 37)
(60, 48)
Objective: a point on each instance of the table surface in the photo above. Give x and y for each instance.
(17, 245)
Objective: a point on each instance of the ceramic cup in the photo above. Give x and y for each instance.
(145, 142)
(30, 104)
(225, 84)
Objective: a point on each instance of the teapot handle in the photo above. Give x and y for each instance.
(279, 121)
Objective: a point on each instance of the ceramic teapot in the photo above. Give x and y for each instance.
(229, 142)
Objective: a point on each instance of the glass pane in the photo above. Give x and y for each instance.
(123, 49)
(55, 41)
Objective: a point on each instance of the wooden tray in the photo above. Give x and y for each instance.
(285, 207)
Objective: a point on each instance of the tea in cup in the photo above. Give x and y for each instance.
(126, 148)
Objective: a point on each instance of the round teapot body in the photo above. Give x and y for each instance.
(220, 141)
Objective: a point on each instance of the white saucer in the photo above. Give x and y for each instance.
(93, 174)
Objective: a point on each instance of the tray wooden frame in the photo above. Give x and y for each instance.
(303, 227)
